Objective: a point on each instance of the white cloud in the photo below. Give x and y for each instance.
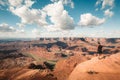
(98, 2)
(29, 3)
(105, 3)
(28, 15)
(22, 9)
(89, 20)
(108, 13)
(59, 17)
(19, 3)
(7, 31)
(6, 28)
(66, 2)
(15, 3)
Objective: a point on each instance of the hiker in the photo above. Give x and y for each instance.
(99, 49)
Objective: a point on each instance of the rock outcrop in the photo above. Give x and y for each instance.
(95, 69)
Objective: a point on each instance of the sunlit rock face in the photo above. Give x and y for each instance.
(105, 69)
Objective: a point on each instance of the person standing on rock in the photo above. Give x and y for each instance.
(99, 50)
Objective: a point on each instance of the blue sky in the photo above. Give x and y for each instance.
(59, 18)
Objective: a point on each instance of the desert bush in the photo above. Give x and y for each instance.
(49, 66)
(92, 72)
(32, 66)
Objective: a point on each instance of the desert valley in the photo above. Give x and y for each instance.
(60, 59)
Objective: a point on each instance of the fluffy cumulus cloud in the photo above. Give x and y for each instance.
(59, 17)
(35, 15)
(108, 13)
(6, 28)
(89, 20)
(105, 3)
(66, 2)
(107, 6)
